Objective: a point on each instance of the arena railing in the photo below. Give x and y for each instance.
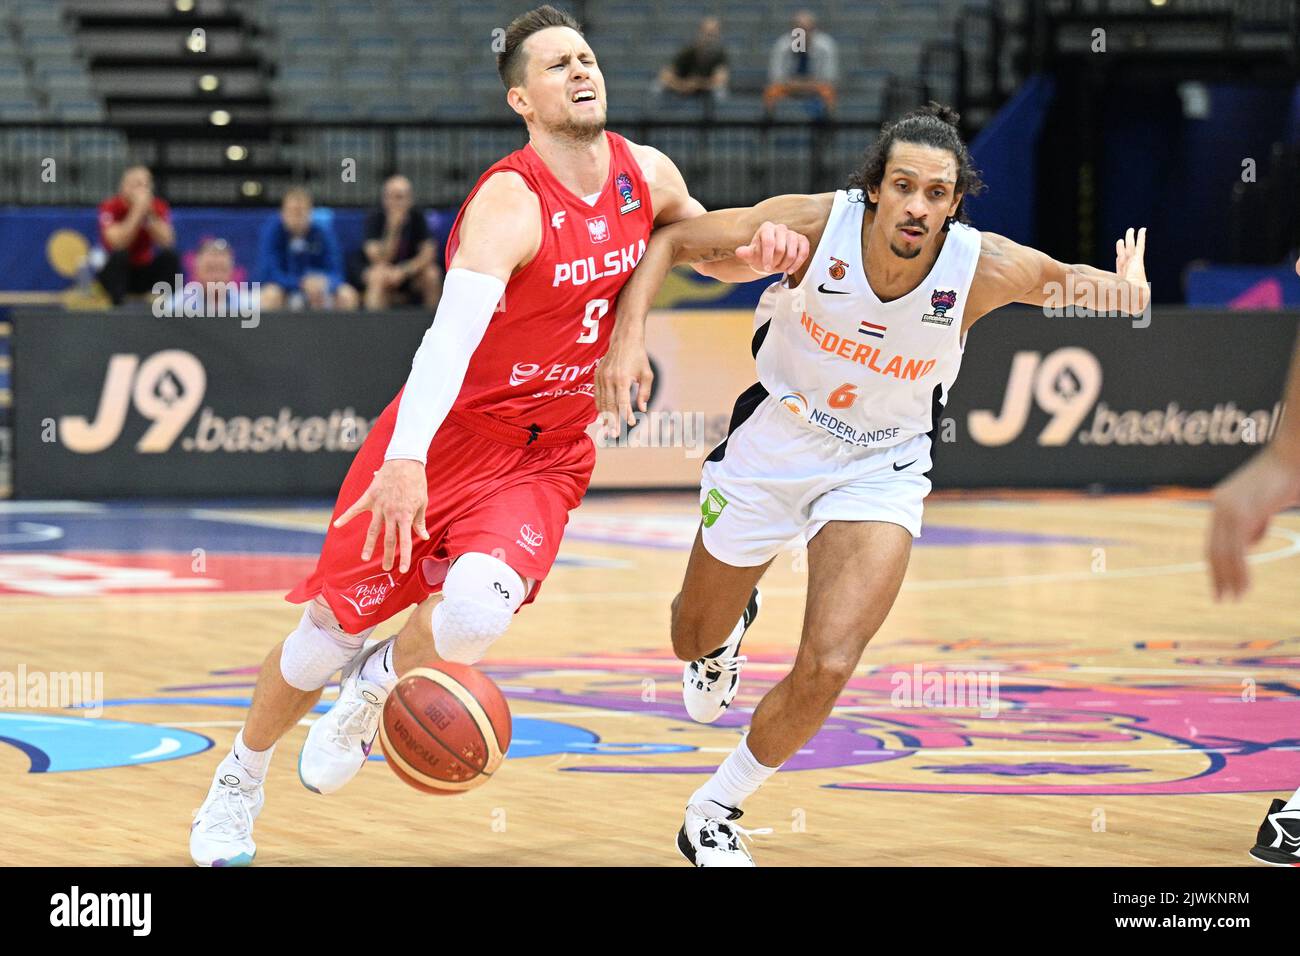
(726, 162)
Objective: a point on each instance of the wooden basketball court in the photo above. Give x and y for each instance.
(1132, 720)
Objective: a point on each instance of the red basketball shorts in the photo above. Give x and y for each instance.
(485, 495)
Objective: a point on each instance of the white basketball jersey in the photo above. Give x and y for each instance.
(870, 373)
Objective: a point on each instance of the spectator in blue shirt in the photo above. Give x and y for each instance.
(299, 262)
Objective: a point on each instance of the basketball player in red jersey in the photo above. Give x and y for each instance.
(470, 473)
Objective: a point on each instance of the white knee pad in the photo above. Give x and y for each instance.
(317, 649)
(479, 597)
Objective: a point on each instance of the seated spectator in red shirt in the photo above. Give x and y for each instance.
(135, 230)
(400, 259)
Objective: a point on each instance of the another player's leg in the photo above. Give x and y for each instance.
(288, 686)
(479, 597)
(854, 572)
(718, 603)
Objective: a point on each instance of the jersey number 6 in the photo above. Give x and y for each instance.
(843, 397)
(596, 309)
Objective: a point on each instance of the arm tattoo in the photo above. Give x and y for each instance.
(715, 254)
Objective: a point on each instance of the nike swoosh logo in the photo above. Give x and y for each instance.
(901, 467)
(822, 288)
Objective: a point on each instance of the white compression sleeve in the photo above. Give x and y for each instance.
(438, 370)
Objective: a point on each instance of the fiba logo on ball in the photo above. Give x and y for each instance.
(445, 729)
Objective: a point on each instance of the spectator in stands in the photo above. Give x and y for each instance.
(399, 260)
(214, 286)
(700, 68)
(135, 230)
(299, 262)
(804, 64)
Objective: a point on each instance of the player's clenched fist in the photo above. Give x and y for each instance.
(774, 248)
(396, 499)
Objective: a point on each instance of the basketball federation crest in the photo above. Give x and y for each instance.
(838, 268)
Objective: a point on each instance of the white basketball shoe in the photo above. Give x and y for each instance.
(222, 831)
(339, 743)
(716, 841)
(709, 684)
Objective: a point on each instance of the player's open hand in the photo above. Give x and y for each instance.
(774, 248)
(1243, 504)
(626, 364)
(396, 499)
(1129, 251)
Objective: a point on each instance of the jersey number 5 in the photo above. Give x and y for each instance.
(596, 309)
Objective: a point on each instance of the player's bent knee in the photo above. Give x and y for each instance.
(690, 634)
(823, 676)
(317, 649)
(479, 597)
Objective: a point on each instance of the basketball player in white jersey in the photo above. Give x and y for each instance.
(856, 351)
(1244, 503)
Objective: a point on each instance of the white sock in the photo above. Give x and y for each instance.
(379, 668)
(739, 776)
(1294, 802)
(254, 761)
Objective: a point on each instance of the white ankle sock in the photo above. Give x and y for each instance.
(379, 668)
(739, 776)
(254, 761)
(1294, 802)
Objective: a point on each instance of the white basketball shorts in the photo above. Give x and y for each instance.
(776, 479)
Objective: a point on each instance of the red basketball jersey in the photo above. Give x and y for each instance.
(536, 364)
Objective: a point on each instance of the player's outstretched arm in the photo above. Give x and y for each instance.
(773, 248)
(1246, 500)
(1009, 272)
(499, 232)
(711, 237)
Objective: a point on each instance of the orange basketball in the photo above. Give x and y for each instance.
(446, 728)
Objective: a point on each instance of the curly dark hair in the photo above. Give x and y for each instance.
(932, 125)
